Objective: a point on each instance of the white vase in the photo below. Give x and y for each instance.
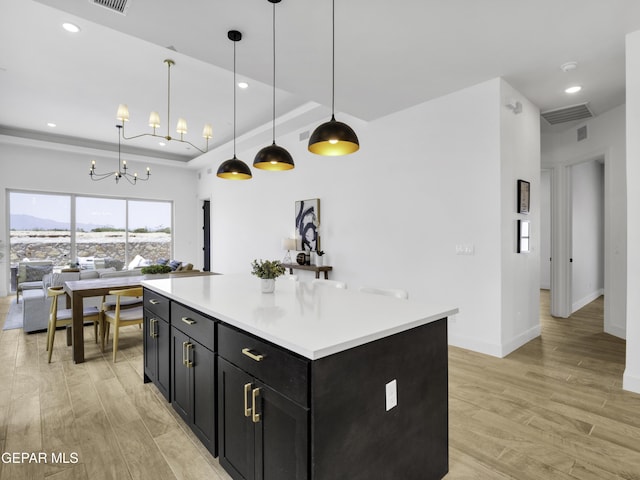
(268, 285)
(319, 260)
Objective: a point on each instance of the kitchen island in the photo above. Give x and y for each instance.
(307, 383)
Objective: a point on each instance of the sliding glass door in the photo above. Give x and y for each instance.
(91, 232)
(40, 227)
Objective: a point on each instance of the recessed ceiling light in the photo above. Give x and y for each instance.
(243, 84)
(162, 144)
(70, 27)
(573, 89)
(569, 66)
(51, 124)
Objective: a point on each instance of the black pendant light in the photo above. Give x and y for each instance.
(274, 157)
(333, 138)
(234, 169)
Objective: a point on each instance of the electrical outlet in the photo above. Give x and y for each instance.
(391, 394)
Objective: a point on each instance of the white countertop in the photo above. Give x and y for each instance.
(313, 322)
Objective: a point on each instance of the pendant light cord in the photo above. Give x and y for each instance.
(333, 57)
(274, 75)
(234, 98)
(168, 98)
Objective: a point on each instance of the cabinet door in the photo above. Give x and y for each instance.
(180, 391)
(150, 348)
(163, 346)
(235, 428)
(203, 389)
(281, 437)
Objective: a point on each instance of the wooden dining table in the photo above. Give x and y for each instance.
(78, 290)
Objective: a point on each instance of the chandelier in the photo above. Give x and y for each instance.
(154, 119)
(120, 173)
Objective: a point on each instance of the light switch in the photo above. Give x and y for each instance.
(391, 394)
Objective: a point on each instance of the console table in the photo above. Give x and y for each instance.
(313, 268)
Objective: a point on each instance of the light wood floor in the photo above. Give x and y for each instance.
(554, 409)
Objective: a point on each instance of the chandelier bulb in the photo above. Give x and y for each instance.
(154, 120)
(123, 113)
(182, 126)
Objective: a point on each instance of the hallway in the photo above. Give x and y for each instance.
(553, 409)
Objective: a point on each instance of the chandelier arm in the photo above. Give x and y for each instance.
(128, 177)
(172, 139)
(101, 176)
(143, 135)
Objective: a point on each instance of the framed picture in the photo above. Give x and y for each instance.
(523, 196)
(308, 225)
(523, 238)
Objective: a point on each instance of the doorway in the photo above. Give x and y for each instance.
(573, 234)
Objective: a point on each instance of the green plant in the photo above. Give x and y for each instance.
(267, 268)
(320, 253)
(151, 269)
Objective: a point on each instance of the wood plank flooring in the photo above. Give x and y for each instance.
(101, 412)
(554, 409)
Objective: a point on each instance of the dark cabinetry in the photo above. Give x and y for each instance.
(263, 414)
(377, 410)
(156, 341)
(193, 372)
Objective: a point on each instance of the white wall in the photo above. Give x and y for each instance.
(632, 372)
(520, 159)
(587, 192)
(39, 166)
(606, 139)
(545, 229)
(424, 181)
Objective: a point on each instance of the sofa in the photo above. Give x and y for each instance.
(30, 274)
(36, 303)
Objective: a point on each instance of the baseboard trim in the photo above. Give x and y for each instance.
(520, 340)
(586, 300)
(474, 345)
(495, 350)
(631, 381)
(619, 332)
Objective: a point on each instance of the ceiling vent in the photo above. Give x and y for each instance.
(567, 114)
(119, 6)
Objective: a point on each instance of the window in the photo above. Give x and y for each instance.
(101, 232)
(149, 230)
(97, 233)
(40, 227)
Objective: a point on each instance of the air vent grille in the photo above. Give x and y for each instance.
(582, 133)
(567, 114)
(120, 6)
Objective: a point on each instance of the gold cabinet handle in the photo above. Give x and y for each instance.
(247, 409)
(257, 357)
(152, 328)
(188, 321)
(184, 353)
(254, 395)
(189, 363)
(154, 302)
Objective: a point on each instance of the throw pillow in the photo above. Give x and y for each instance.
(34, 273)
(174, 264)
